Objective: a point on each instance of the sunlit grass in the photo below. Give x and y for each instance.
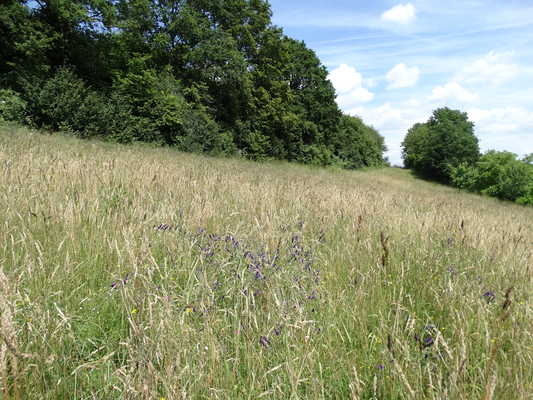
(133, 272)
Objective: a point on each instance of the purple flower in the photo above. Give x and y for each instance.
(264, 341)
(380, 366)
(489, 296)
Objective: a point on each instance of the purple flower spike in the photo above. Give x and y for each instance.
(489, 296)
(380, 366)
(264, 341)
(416, 337)
(277, 332)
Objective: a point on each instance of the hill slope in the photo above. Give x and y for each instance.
(132, 271)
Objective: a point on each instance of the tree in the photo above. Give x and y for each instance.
(207, 76)
(357, 145)
(412, 145)
(449, 141)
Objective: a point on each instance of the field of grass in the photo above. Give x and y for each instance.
(134, 272)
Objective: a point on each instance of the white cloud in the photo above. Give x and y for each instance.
(508, 129)
(393, 122)
(491, 68)
(344, 79)
(401, 76)
(349, 86)
(451, 92)
(400, 14)
(392, 119)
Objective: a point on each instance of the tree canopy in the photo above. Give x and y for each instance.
(208, 76)
(446, 140)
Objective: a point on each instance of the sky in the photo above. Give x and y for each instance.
(393, 63)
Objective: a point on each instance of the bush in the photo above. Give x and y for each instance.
(13, 107)
(501, 175)
(65, 103)
(358, 145)
(201, 134)
(463, 176)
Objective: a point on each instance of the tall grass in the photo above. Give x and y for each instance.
(133, 272)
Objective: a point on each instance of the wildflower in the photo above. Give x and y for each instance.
(134, 311)
(380, 366)
(489, 296)
(264, 341)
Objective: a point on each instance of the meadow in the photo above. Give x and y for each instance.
(138, 272)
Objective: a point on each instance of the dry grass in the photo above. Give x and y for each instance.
(269, 281)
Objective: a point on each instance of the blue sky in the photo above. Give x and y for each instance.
(393, 63)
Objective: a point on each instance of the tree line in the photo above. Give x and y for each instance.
(446, 149)
(205, 76)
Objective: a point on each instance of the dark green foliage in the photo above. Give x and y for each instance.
(358, 145)
(65, 103)
(497, 174)
(314, 104)
(445, 148)
(463, 176)
(204, 76)
(500, 174)
(412, 145)
(12, 107)
(450, 141)
(445, 141)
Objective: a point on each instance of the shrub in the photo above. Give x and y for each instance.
(13, 107)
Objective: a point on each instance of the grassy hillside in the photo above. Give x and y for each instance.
(133, 272)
